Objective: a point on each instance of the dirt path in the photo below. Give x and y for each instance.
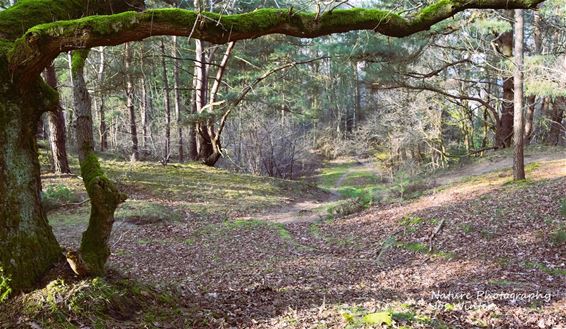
(308, 211)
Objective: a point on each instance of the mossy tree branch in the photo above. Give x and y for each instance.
(25, 14)
(40, 44)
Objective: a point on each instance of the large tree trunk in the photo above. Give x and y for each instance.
(518, 124)
(57, 135)
(210, 147)
(28, 247)
(130, 103)
(104, 197)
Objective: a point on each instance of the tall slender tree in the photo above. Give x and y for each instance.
(518, 121)
(102, 129)
(166, 105)
(57, 134)
(177, 95)
(130, 102)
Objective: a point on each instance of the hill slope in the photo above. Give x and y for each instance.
(481, 252)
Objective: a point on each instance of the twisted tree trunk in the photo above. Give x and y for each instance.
(104, 196)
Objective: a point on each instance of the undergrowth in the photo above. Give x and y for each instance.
(94, 303)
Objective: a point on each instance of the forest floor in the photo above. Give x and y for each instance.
(204, 248)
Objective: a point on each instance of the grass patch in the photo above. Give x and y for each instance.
(283, 232)
(522, 183)
(202, 190)
(558, 237)
(242, 224)
(544, 268)
(143, 212)
(229, 226)
(69, 217)
(56, 196)
(417, 247)
(332, 172)
(421, 248)
(530, 167)
(402, 316)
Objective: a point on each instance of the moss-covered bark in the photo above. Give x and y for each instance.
(26, 14)
(104, 199)
(27, 245)
(103, 194)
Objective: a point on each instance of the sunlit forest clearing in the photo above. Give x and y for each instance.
(282, 164)
(198, 247)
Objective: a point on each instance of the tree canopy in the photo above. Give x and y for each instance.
(40, 32)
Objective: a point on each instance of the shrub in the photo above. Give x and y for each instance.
(55, 196)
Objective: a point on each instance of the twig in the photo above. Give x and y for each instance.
(78, 203)
(436, 231)
(387, 244)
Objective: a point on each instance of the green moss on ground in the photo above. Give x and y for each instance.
(168, 192)
(96, 303)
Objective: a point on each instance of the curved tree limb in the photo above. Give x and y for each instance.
(40, 44)
(25, 14)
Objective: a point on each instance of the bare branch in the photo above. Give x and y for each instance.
(431, 74)
(251, 86)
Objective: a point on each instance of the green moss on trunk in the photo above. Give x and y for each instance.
(104, 199)
(28, 247)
